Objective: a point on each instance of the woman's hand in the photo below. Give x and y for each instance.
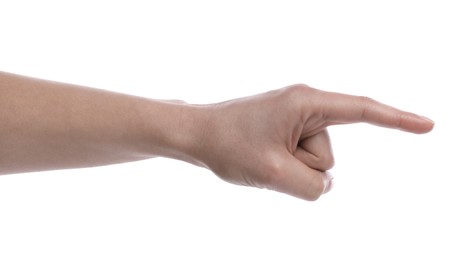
(278, 140)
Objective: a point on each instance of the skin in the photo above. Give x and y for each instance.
(276, 140)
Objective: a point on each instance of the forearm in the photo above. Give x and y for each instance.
(48, 125)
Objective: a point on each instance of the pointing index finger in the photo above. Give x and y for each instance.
(341, 108)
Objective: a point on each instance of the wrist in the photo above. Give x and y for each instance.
(177, 130)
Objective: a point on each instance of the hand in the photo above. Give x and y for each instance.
(278, 140)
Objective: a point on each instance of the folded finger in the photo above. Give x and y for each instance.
(316, 151)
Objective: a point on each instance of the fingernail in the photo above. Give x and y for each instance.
(427, 119)
(329, 186)
(328, 182)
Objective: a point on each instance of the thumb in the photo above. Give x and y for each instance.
(297, 179)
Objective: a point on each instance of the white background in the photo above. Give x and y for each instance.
(397, 195)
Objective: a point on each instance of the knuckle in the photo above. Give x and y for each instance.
(315, 190)
(365, 99)
(298, 89)
(399, 120)
(299, 94)
(327, 161)
(366, 102)
(274, 175)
